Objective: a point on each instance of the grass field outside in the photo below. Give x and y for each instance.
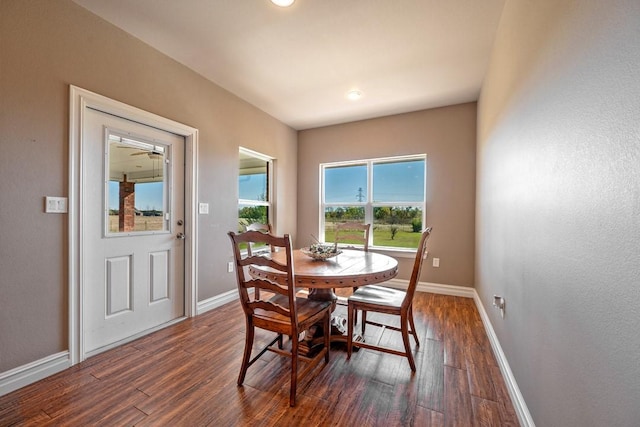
(143, 223)
(405, 237)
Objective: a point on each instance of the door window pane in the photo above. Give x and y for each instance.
(137, 185)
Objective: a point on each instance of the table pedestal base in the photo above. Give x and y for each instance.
(314, 340)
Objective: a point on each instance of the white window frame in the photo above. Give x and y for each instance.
(369, 204)
(270, 184)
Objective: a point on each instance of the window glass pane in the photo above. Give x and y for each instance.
(398, 181)
(136, 192)
(253, 190)
(397, 187)
(253, 187)
(345, 184)
(252, 178)
(398, 226)
(248, 214)
(334, 215)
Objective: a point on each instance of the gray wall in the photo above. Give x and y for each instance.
(558, 206)
(44, 47)
(448, 137)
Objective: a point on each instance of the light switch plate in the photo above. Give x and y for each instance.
(203, 208)
(55, 204)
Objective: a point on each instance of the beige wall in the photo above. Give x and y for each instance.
(447, 136)
(44, 47)
(558, 206)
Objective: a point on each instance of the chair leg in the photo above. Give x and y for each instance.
(351, 311)
(413, 326)
(407, 345)
(364, 321)
(280, 342)
(327, 336)
(294, 371)
(248, 345)
(355, 316)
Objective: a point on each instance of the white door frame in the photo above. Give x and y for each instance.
(80, 99)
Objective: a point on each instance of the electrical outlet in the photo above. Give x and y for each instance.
(436, 262)
(230, 267)
(499, 303)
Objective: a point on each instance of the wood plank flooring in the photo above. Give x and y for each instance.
(185, 375)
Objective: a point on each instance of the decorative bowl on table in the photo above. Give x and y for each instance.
(321, 252)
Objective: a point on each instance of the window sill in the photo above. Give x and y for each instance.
(395, 252)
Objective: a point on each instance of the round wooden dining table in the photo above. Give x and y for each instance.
(349, 269)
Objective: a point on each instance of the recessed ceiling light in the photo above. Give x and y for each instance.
(354, 95)
(282, 3)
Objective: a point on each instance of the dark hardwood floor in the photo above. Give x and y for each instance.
(185, 375)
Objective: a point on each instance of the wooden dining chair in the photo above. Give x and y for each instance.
(348, 233)
(385, 300)
(282, 312)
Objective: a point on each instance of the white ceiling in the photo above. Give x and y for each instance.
(298, 63)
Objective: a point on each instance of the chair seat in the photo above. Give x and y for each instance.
(306, 309)
(379, 295)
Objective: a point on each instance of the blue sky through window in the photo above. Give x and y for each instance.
(401, 181)
(253, 187)
(398, 181)
(343, 184)
(148, 195)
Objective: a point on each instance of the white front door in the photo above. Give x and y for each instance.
(132, 241)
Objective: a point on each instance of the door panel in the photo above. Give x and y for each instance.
(159, 275)
(132, 200)
(118, 285)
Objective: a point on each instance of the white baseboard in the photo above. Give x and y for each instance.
(34, 371)
(522, 411)
(217, 301)
(436, 288)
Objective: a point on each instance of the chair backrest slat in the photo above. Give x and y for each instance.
(269, 306)
(266, 285)
(417, 266)
(262, 261)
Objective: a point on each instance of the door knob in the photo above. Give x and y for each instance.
(181, 236)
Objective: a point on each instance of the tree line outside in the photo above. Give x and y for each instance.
(250, 214)
(392, 226)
